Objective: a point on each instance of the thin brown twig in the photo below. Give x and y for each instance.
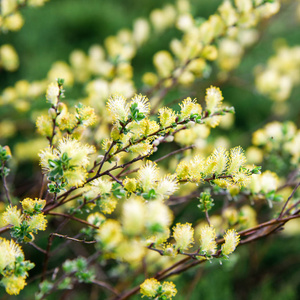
(289, 198)
(37, 247)
(6, 190)
(73, 218)
(47, 255)
(157, 160)
(105, 157)
(291, 208)
(105, 285)
(168, 272)
(114, 178)
(47, 252)
(73, 239)
(5, 228)
(207, 217)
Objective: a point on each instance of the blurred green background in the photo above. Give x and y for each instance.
(268, 269)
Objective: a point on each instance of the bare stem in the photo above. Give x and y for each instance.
(207, 217)
(37, 247)
(289, 198)
(73, 239)
(6, 190)
(106, 286)
(157, 160)
(73, 218)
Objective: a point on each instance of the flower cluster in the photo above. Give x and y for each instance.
(27, 222)
(13, 267)
(276, 136)
(59, 119)
(153, 289)
(232, 26)
(222, 168)
(140, 223)
(231, 217)
(134, 132)
(184, 239)
(66, 165)
(281, 73)
(10, 17)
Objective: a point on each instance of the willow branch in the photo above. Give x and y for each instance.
(6, 190)
(73, 218)
(73, 239)
(157, 160)
(106, 286)
(37, 247)
(289, 198)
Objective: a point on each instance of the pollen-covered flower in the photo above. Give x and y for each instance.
(106, 143)
(9, 252)
(159, 238)
(196, 168)
(217, 162)
(44, 126)
(237, 159)
(130, 184)
(142, 103)
(213, 121)
(167, 187)
(169, 289)
(213, 99)
(37, 222)
(182, 170)
(143, 148)
(76, 151)
(12, 216)
(75, 177)
(223, 183)
(86, 115)
(148, 127)
(97, 187)
(52, 93)
(96, 219)
(166, 117)
(232, 239)
(108, 205)
(189, 107)
(242, 178)
(118, 108)
(13, 284)
(46, 155)
(183, 235)
(30, 206)
(208, 240)
(147, 175)
(66, 121)
(149, 287)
